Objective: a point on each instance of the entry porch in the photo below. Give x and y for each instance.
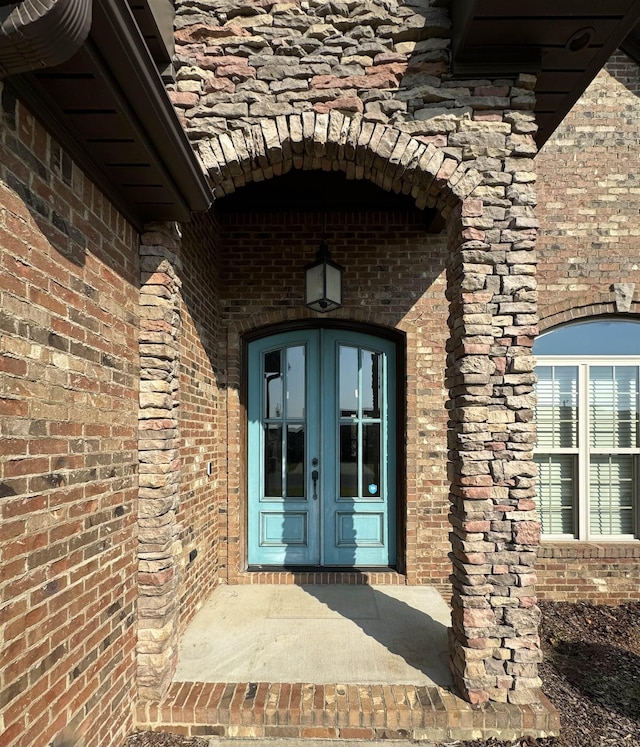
(324, 662)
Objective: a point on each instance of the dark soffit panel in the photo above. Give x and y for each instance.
(564, 42)
(108, 107)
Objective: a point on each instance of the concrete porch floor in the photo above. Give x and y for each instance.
(388, 635)
(318, 662)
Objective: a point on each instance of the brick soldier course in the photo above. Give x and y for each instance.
(308, 711)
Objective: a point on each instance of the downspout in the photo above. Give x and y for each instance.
(36, 34)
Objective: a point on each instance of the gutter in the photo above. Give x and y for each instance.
(36, 34)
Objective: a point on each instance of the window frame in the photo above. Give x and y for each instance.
(584, 451)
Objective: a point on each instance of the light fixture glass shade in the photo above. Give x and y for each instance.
(323, 282)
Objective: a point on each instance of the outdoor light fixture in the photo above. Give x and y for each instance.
(323, 282)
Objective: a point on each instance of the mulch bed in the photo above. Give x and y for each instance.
(591, 673)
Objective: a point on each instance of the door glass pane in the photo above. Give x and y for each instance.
(611, 491)
(348, 460)
(371, 389)
(348, 382)
(371, 459)
(273, 384)
(556, 491)
(295, 461)
(295, 382)
(557, 408)
(273, 461)
(613, 406)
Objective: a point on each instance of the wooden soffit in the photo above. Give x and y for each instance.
(564, 42)
(108, 107)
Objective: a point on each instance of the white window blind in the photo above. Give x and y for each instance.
(588, 449)
(611, 489)
(557, 412)
(556, 476)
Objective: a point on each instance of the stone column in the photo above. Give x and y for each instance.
(159, 547)
(494, 640)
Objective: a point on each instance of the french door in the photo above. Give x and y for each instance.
(321, 449)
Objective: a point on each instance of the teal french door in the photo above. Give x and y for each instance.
(321, 449)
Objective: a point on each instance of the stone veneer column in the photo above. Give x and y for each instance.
(159, 468)
(494, 642)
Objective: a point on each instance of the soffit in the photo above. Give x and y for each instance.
(564, 42)
(108, 107)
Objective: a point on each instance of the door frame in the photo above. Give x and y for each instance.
(398, 338)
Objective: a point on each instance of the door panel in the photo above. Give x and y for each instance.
(358, 440)
(283, 515)
(321, 449)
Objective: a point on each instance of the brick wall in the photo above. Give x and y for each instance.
(202, 418)
(589, 200)
(394, 277)
(589, 572)
(588, 206)
(68, 420)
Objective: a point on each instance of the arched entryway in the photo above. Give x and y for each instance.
(487, 323)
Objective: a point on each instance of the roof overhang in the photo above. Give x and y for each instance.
(563, 42)
(102, 95)
(107, 105)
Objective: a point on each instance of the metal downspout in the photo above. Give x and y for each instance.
(36, 34)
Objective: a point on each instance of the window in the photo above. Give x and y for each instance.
(588, 448)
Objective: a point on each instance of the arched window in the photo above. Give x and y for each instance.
(588, 447)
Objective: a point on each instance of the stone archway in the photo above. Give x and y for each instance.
(494, 643)
(389, 158)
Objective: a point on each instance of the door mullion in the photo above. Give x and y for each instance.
(319, 434)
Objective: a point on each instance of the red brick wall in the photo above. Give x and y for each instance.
(588, 206)
(587, 571)
(394, 277)
(202, 417)
(68, 420)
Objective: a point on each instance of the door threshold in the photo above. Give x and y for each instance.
(317, 575)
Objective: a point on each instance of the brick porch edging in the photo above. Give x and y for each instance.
(308, 711)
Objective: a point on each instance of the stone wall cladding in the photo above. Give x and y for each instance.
(491, 289)
(364, 88)
(589, 201)
(264, 79)
(68, 460)
(159, 547)
(241, 65)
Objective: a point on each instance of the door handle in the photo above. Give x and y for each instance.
(314, 477)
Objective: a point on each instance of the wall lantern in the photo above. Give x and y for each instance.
(323, 282)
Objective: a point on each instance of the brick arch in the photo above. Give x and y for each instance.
(382, 154)
(566, 311)
(295, 314)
